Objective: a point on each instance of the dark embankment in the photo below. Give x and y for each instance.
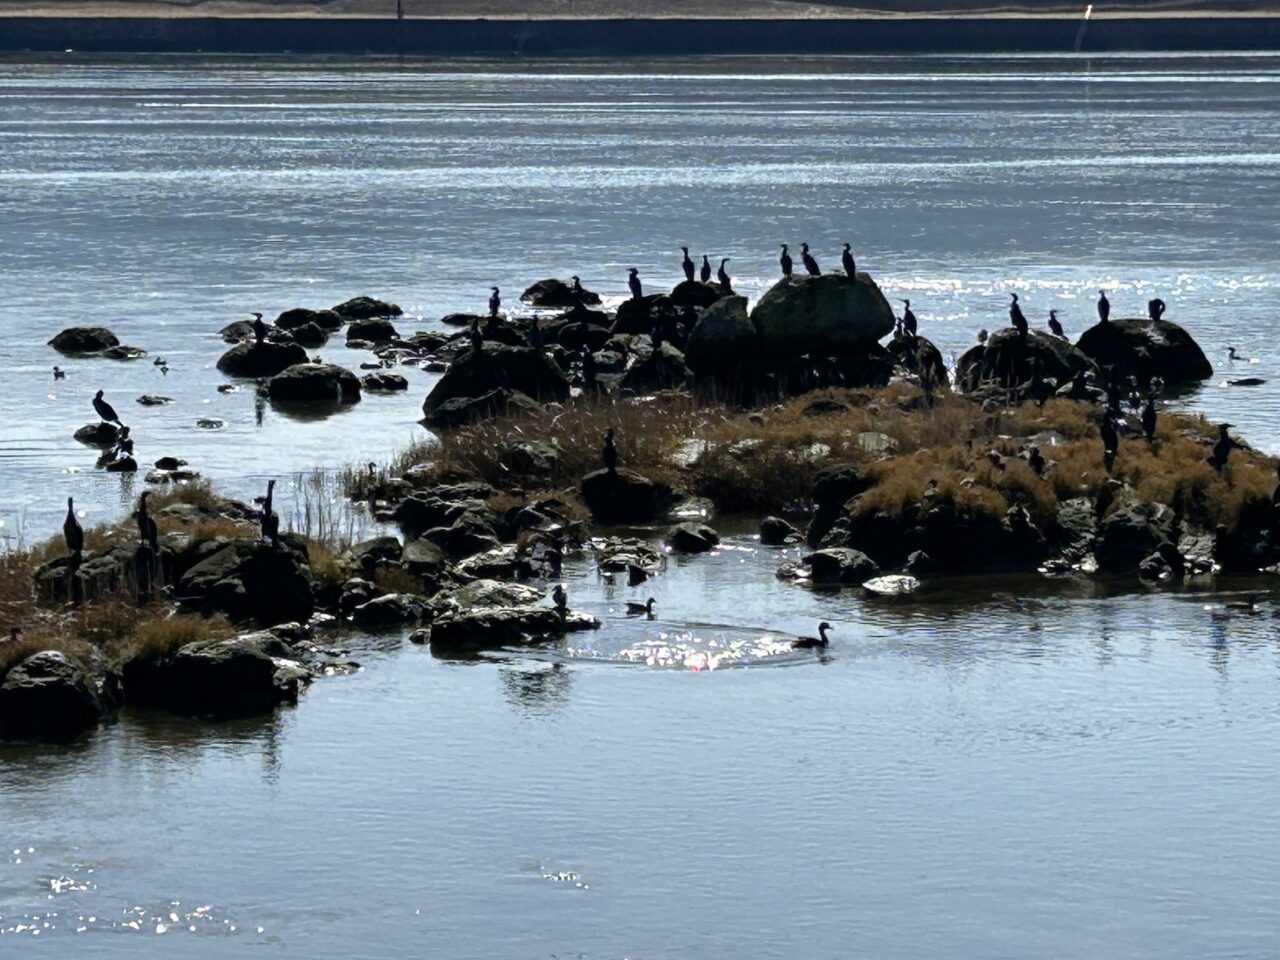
(628, 37)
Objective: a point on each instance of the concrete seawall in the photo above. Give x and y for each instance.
(640, 37)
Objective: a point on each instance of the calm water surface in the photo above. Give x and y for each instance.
(1068, 774)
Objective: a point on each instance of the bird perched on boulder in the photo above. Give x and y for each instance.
(1104, 306)
(1155, 309)
(908, 319)
(633, 283)
(105, 410)
(259, 328)
(609, 453)
(784, 261)
(561, 600)
(495, 301)
(705, 273)
(687, 265)
(1016, 318)
(1054, 326)
(846, 261)
(810, 264)
(723, 275)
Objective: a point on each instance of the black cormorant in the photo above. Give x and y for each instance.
(1149, 418)
(1110, 439)
(1104, 306)
(982, 335)
(72, 532)
(59, 374)
(809, 643)
(105, 410)
(908, 319)
(269, 522)
(633, 282)
(1231, 356)
(810, 264)
(1155, 309)
(1036, 460)
(1016, 318)
(723, 276)
(561, 600)
(576, 289)
(610, 452)
(259, 328)
(687, 265)
(1054, 326)
(846, 261)
(784, 261)
(535, 334)
(147, 530)
(15, 634)
(1221, 448)
(705, 273)
(495, 301)
(638, 608)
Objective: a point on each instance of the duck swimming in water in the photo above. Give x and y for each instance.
(810, 643)
(1231, 356)
(634, 609)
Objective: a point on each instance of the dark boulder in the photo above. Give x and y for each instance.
(314, 383)
(663, 369)
(723, 339)
(1131, 532)
(774, 532)
(368, 556)
(692, 537)
(234, 677)
(461, 319)
(376, 330)
(81, 340)
(821, 315)
(470, 532)
(458, 411)
(51, 695)
(252, 580)
(301, 317)
(835, 566)
(123, 351)
(556, 293)
(492, 628)
(384, 382)
(1007, 360)
(101, 435)
(833, 487)
(1145, 348)
(389, 610)
(125, 568)
(921, 357)
(366, 308)
(309, 335)
(575, 336)
(499, 367)
(426, 561)
(266, 359)
(624, 497)
(694, 293)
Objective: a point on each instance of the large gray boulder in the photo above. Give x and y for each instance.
(1131, 532)
(249, 580)
(1007, 359)
(366, 308)
(51, 695)
(723, 338)
(825, 315)
(695, 293)
(266, 359)
(499, 367)
(314, 383)
(373, 330)
(1146, 348)
(234, 677)
(80, 340)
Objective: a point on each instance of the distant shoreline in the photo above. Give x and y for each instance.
(300, 34)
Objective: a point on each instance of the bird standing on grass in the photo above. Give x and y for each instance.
(1221, 447)
(73, 533)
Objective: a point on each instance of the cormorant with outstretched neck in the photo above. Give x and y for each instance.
(705, 273)
(610, 452)
(259, 328)
(1110, 439)
(810, 264)
(1054, 326)
(846, 261)
(723, 276)
(72, 532)
(561, 600)
(1104, 306)
(105, 410)
(784, 261)
(909, 319)
(1016, 318)
(1155, 309)
(495, 301)
(147, 530)
(1221, 448)
(687, 265)
(633, 282)
(1149, 419)
(809, 643)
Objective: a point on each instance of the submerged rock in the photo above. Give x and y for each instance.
(490, 628)
(822, 315)
(102, 435)
(366, 308)
(51, 695)
(266, 359)
(774, 532)
(384, 382)
(841, 566)
(315, 383)
(124, 352)
(1146, 348)
(81, 340)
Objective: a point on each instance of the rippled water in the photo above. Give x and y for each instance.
(1004, 768)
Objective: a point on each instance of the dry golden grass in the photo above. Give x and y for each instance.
(156, 638)
(396, 580)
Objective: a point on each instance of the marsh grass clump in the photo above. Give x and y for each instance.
(154, 639)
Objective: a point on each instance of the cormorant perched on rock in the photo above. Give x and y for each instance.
(784, 261)
(610, 452)
(147, 530)
(475, 336)
(72, 532)
(723, 276)
(1110, 439)
(908, 319)
(1054, 326)
(576, 289)
(705, 273)
(269, 522)
(1155, 309)
(982, 335)
(1149, 419)
(809, 643)
(259, 328)
(687, 265)
(846, 261)
(59, 374)
(810, 264)
(1221, 448)
(633, 282)
(561, 600)
(1104, 306)
(105, 410)
(535, 333)
(1016, 318)
(495, 301)
(638, 608)
(1036, 460)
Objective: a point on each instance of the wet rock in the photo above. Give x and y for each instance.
(484, 594)
(894, 585)
(1007, 360)
(425, 560)
(422, 511)
(724, 338)
(624, 496)
(252, 580)
(366, 308)
(692, 538)
(51, 695)
(575, 336)
(823, 315)
(841, 566)
(519, 369)
(615, 554)
(102, 435)
(385, 382)
(556, 293)
(1131, 532)
(266, 359)
(695, 293)
(237, 331)
(471, 532)
(919, 562)
(493, 628)
(663, 369)
(309, 335)
(1145, 348)
(233, 677)
(918, 355)
(774, 532)
(298, 317)
(122, 465)
(371, 331)
(459, 411)
(500, 563)
(461, 319)
(639, 316)
(368, 556)
(210, 423)
(392, 609)
(833, 487)
(356, 592)
(314, 383)
(82, 340)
